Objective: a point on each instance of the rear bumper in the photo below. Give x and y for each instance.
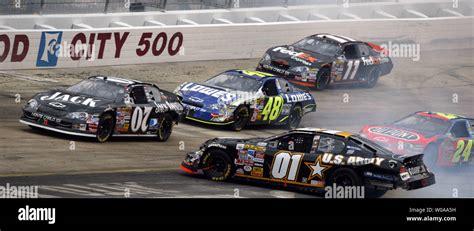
(420, 181)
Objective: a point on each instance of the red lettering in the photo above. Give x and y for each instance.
(119, 42)
(163, 44)
(23, 39)
(76, 55)
(103, 37)
(179, 36)
(6, 42)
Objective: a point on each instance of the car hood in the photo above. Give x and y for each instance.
(68, 101)
(201, 95)
(293, 56)
(389, 134)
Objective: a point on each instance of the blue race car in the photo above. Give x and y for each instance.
(240, 97)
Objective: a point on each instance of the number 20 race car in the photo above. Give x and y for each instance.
(309, 158)
(445, 139)
(322, 59)
(239, 97)
(102, 107)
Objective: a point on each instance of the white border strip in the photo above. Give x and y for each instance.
(57, 130)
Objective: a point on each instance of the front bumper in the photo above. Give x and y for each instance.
(204, 116)
(64, 126)
(309, 81)
(191, 162)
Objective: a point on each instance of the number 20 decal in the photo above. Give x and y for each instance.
(272, 108)
(286, 165)
(463, 149)
(140, 119)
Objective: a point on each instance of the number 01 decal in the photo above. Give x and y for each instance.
(463, 149)
(272, 108)
(286, 166)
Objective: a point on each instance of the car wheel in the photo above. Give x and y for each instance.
(322, 79)
(372, 78)
(295, 117)
(241, 117)
(105, 128)
(165, 128)
(430, 156)
(217, 165)
(345, 177)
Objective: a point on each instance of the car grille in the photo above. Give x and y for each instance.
(50, 111)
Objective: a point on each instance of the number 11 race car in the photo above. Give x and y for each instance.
(445, 139)
(239, 97)
(309, 158)
(323, 59)
(102, 107)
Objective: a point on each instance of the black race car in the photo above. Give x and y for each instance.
(102, 107)
(310, 158)
(322, 59)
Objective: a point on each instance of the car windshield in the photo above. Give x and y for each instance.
(428, 126)
(317, 45)
(98, 88)
(235, 82)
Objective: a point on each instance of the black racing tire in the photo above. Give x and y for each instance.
(372, 78)
(217, 165)
(344, 177)
(241, 118)
(430, 156)
(165, 128)
(322, 79)
(294, 119)
(105, 129)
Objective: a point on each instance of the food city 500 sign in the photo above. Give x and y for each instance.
(54, 48)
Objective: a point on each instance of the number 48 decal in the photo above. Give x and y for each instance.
(463, 149)
(272, 108)
(286, 165)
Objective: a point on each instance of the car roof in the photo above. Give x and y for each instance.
(337, 38)
(440, 115)
(122, 81)
(257, 75)
(325, 131)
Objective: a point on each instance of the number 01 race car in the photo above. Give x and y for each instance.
(309, 158)
(321, 59)
(445, 139)
(238, 97)
(102, 107)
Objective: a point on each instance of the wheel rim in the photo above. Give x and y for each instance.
(240, 118)
(323, 80)
(104, 128)
(217, 166)
(295, 118)
(165, 128)
(343, 180)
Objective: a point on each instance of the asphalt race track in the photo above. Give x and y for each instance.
(65, 166)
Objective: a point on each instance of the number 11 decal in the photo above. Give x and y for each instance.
(286, 166)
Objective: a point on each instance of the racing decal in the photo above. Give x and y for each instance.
(298, 97)
(329, 158)
(257, 171)
(256, 73)
(59, 96)
(216, 93)
(374, 60)
(463, 150)
(302, 57)
(395, 133)
(140, 119)
(317, 169)
(286, 165)
(351, 69)
(272, 108)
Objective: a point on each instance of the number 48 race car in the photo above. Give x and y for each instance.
(102, 107)
(309, 158)
(239, 97)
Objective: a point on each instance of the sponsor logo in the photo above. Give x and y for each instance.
(374, 60)
(57, 104)
(302, 57)
(216, 93)
(329, 158)
(50, 44)
(293, 98)
(399, 134)
(257, 171)
(247, 168)
(58, 96)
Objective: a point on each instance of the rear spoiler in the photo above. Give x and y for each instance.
(414, 160)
